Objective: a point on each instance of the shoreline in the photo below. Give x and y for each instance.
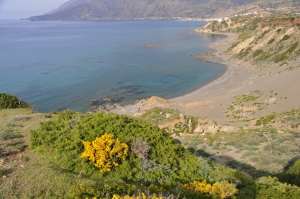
(230, 68)
(201, 95)
(203, 101)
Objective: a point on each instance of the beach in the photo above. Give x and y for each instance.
(213, 99)
(279, 90)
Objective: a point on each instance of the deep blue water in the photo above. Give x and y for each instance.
(58, 65)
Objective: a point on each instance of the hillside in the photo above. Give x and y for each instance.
(104, 155)
(263, 44)
(136, 9)
(175, 9)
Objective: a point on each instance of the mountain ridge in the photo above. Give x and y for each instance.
(136, 9)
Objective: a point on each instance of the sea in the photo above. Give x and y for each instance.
(76, 65)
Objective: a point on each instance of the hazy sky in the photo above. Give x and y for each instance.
(16, 9)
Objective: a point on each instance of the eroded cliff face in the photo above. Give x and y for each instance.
(266, 43)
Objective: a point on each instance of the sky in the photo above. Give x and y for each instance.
(17, 9)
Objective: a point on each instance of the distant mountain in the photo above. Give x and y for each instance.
(137, 9)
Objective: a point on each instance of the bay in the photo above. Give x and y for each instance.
(66, 64)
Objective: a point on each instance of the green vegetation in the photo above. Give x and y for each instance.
(244, 35)
(293, 47)
(265, 120)
(271, 41)
(266, 56)
(63, 134)
(10, 101)
(291, 173)
(285, 37)
(257, 53)
(278, 30)
(158, 116)
(269, 187)
(105, 155)
(281, 57)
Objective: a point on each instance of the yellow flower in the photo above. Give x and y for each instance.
(105, 152)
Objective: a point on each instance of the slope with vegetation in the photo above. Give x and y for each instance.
(104, 155)
(265, 44)
(136, 9)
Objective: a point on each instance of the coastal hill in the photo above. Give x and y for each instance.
(136, 9)
(167, 9)
(263, 43)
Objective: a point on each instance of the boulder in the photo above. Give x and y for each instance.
(228, 129)
(168, 115)
(181, 116)
(199, 129)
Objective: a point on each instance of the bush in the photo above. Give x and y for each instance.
(292, 174)
(62, 144)
(281, 57)
(271, 41)
(269, 187)
(256, 53)
(222, 189)
(105, 152)
(292, 47)
(10, 101)
(285, 37)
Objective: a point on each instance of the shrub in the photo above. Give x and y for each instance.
(292, 174)
(223, 189)
(143, 196)
(202, 187)
(292, 47)
(10, 101)
(105, 152)
(266, 56)
(271, 41)
(281, 57)
(265, 120)
(269, 187)
(278, 30)
(9, 135)
(256, 53)
(56, 140)
(140, 148)
(285, 37)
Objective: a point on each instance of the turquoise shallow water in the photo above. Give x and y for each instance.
(58, 65)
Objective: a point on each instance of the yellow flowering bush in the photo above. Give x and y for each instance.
(202, 187)
(105, 152)
(143, 196)
(135, 197)
(224, 189)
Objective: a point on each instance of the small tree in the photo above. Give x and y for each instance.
(105, 152)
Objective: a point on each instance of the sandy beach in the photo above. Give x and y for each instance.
(212, 100)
